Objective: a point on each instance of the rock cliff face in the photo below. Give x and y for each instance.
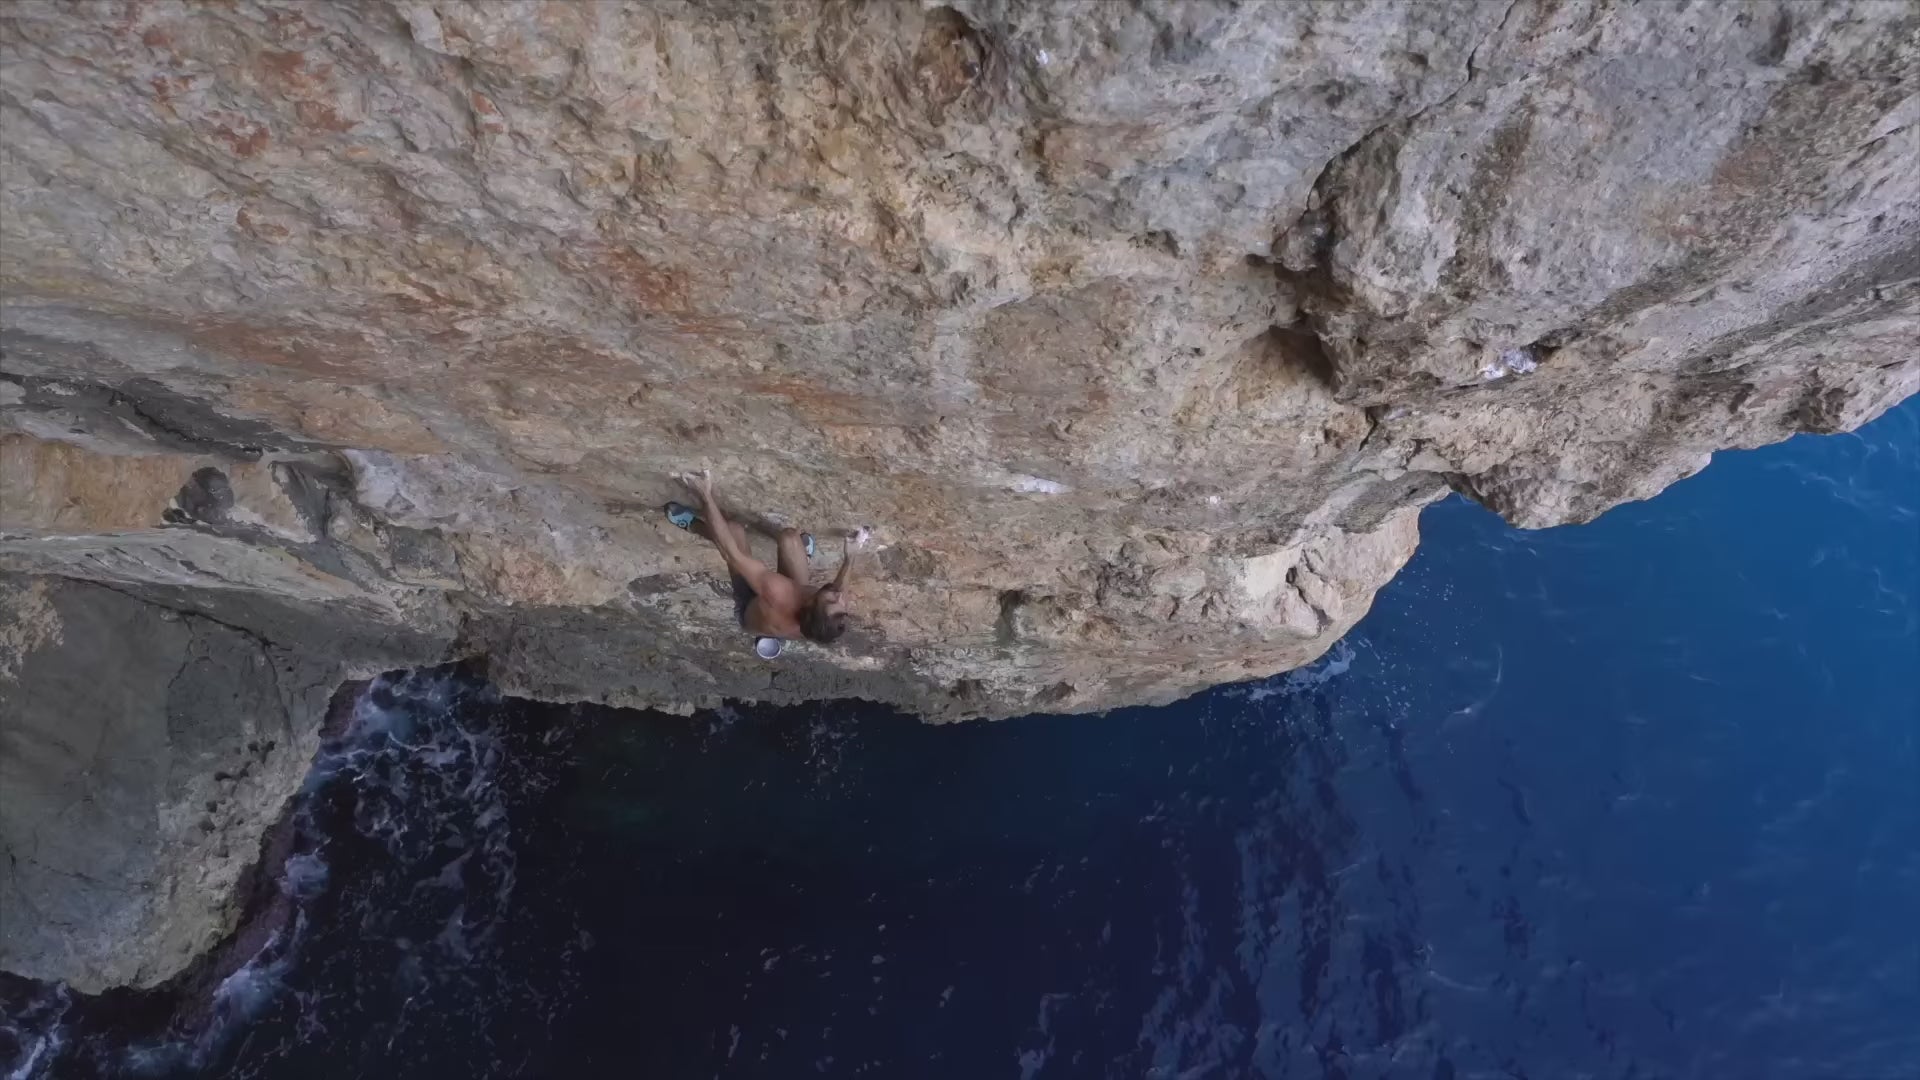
(1139, 333)
(143, 752)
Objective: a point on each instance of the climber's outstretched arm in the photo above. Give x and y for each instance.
(730, 538)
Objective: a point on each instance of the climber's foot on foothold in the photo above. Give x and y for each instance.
(807, 539)
(681, 515)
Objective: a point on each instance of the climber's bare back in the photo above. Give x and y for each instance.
(778, 595)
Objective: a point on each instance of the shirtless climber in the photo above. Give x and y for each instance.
(771, 603)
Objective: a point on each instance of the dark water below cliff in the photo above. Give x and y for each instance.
(1637, 799)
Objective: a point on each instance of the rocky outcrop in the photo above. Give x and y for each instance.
(1140, 333)
(144, 752)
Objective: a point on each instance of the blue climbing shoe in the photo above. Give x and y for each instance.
(807, 539)
(681, 516)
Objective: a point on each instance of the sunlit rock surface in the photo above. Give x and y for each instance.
(1139, 336)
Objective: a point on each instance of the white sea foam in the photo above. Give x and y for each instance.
(423, 786)
(1337, 662)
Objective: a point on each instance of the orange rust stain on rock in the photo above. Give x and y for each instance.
(246, 138)
(486, 114)
(336, 415)
(265, 230)
(883, 443)
(321, 353)
(165, 86)
(280, 67)
(417, 297)
(818, 405)
(291, 73)
(537, 354)
(319, 114)
(632, 277)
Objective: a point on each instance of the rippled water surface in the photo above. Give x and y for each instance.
(1636, 799)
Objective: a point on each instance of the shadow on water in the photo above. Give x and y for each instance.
(1640, 799)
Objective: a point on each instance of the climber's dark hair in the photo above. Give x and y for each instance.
(818, 623)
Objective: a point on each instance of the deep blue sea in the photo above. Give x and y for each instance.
(1636, 799)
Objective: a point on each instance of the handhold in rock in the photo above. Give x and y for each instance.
(1521, 361)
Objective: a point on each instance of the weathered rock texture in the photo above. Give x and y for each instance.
(143, 753)
(1141, 333)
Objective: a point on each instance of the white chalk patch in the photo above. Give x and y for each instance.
(1262, 575)
(1521, 361)
(1022, 482)
(1044, 57)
